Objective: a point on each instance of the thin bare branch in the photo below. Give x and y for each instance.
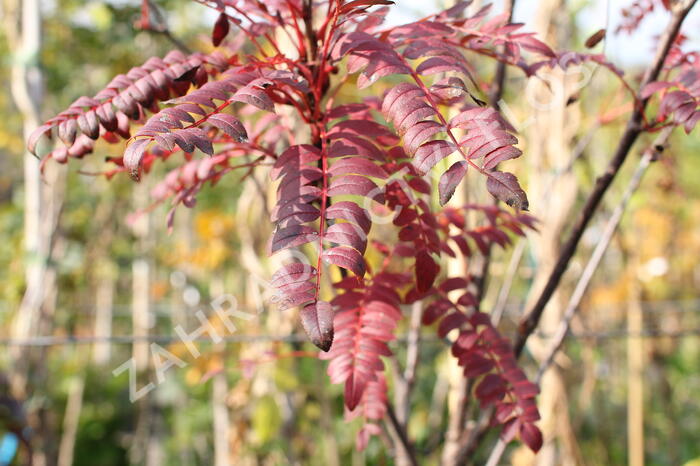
(504, 292)
(649, 156)
(162, 27)
(498, 87)
(632, 131)
(608, 232)
(401, 434)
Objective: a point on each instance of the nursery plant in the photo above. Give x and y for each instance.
(290, 88)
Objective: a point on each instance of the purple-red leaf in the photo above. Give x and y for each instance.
(653, 88)
(133, 155)
(292, 159)
(292, 236)
(504, 186)
(490, 389)
(351, 212)
(221, 28)
(67, 131)
(357, 165)
(292, 273)
(357, 185)
(356, 4)
(431, 153)
(419, 133)
(531, 436)
(426, 270)
(254, 96)
(199, 138)
(347, 234)
(346, 258)
(229, 125)
(88, 124)
(450, 180)
(317, 320)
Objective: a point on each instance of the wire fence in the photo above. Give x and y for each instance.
(298, 338)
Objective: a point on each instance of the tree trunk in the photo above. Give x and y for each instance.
(141, 317)
(23, 31)
(70, 422)
(550, 135)
(635, 376)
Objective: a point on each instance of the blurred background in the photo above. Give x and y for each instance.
(86, 286)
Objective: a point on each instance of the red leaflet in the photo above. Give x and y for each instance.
(292, 236)
(220, 30)
(292, 273)
(254, 94)
(294, 213)
(531, 436)
(505, 187)
(88, 124)
(292, 159)
(419, 133)
(430, 153)
(357, 185)
(426, 270)
(349, 144)
(229, 125)
(67, 130)
(450, 179)
(358, 166)
(356, 4)
(491, 389)
(351, 212)
(346, 258)
(436, 65)
(347, 234)
(133, 155)
(317, 319)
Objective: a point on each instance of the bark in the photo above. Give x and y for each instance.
(635, 375)
(23, 30)
(141, 316)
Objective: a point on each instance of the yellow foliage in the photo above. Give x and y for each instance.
(605, 294)
(266, 419)
(214, 231)
(159, 290)
(211, 256)
(651, 233)
(213, 224)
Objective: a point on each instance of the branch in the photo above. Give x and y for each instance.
(495, 96)
(632, 131)
(458, 419)
(403, 383)
(649, 156)
(519, 249)
(507, 284)
(162, 27)
(401, 434)
(500, 77)
(413, 349)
